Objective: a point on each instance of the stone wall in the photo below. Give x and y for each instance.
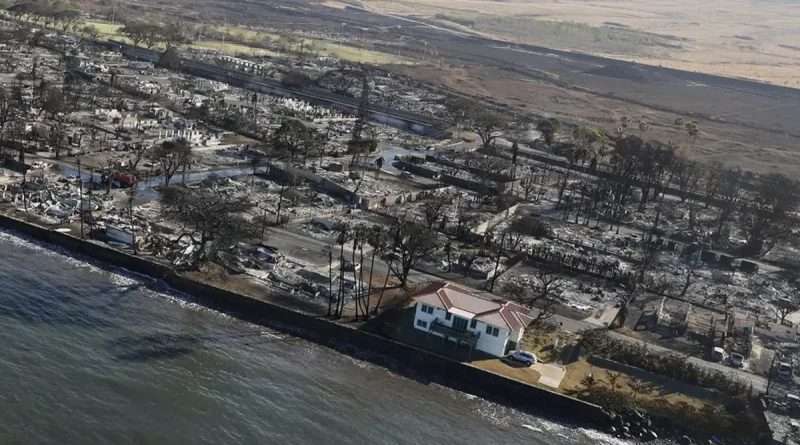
(432, 367)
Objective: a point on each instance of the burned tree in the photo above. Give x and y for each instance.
(528, 186)
(139, 150)
(412, 244)
(730, 192)
(585, 142)
(486, 123)
(287, 179)
(538, 292)
(625, 164)
(689, 175)
(656, 163)
(57, 109)
(212, 219)
(434, 209)
(457, 110)
(785, 306)
(523, 226)
(170, 59)
(171, 156)
(767, 214)
(376, 237)
(694, 261)
(295, 138)
(345, 235)
(548, 128)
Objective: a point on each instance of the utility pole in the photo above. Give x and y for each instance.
(361, 120)
(255, 103)
(497, 263)
(770, 373)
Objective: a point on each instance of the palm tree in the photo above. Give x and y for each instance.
(344, 235)
(378, 239)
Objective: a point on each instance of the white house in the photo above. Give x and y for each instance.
(456, 314)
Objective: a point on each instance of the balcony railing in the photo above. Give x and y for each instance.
(462, 336)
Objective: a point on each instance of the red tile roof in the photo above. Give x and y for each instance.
(495, 312)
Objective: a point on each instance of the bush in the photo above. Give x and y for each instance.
(675, 366)
(609, 399)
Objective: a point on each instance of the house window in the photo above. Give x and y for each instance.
(430, 309)
(473, 324)
(447, 316)
(493, 331)
(424, 308)
(422, 323)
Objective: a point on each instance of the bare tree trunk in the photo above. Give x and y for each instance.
(340, 302)
(330, 279)
(385, 283)
(280, 202)
(365, 306)
(371, 271)
(357, 285)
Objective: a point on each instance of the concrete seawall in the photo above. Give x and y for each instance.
(425, 365)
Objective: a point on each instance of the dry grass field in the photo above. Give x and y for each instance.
(757, 40)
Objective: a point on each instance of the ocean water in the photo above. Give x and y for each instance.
(89, 356)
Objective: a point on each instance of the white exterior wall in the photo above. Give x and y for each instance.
(428, 318)
(491, 344)
(486, 343)
(517, 336)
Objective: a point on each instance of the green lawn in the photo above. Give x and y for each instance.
(325, 48)
(106, 28)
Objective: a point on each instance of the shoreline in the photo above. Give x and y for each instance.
(396, 357)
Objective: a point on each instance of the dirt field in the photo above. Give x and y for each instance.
(756, 40)
(759, 136)
(747, 124)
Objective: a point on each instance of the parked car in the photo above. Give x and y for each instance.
(737, 360)
(718, 355)
(407, 175)
(348, 266)
(523, 357)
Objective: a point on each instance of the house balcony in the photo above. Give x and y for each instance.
(459, 335)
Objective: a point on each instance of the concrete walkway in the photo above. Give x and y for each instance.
(550, 374)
